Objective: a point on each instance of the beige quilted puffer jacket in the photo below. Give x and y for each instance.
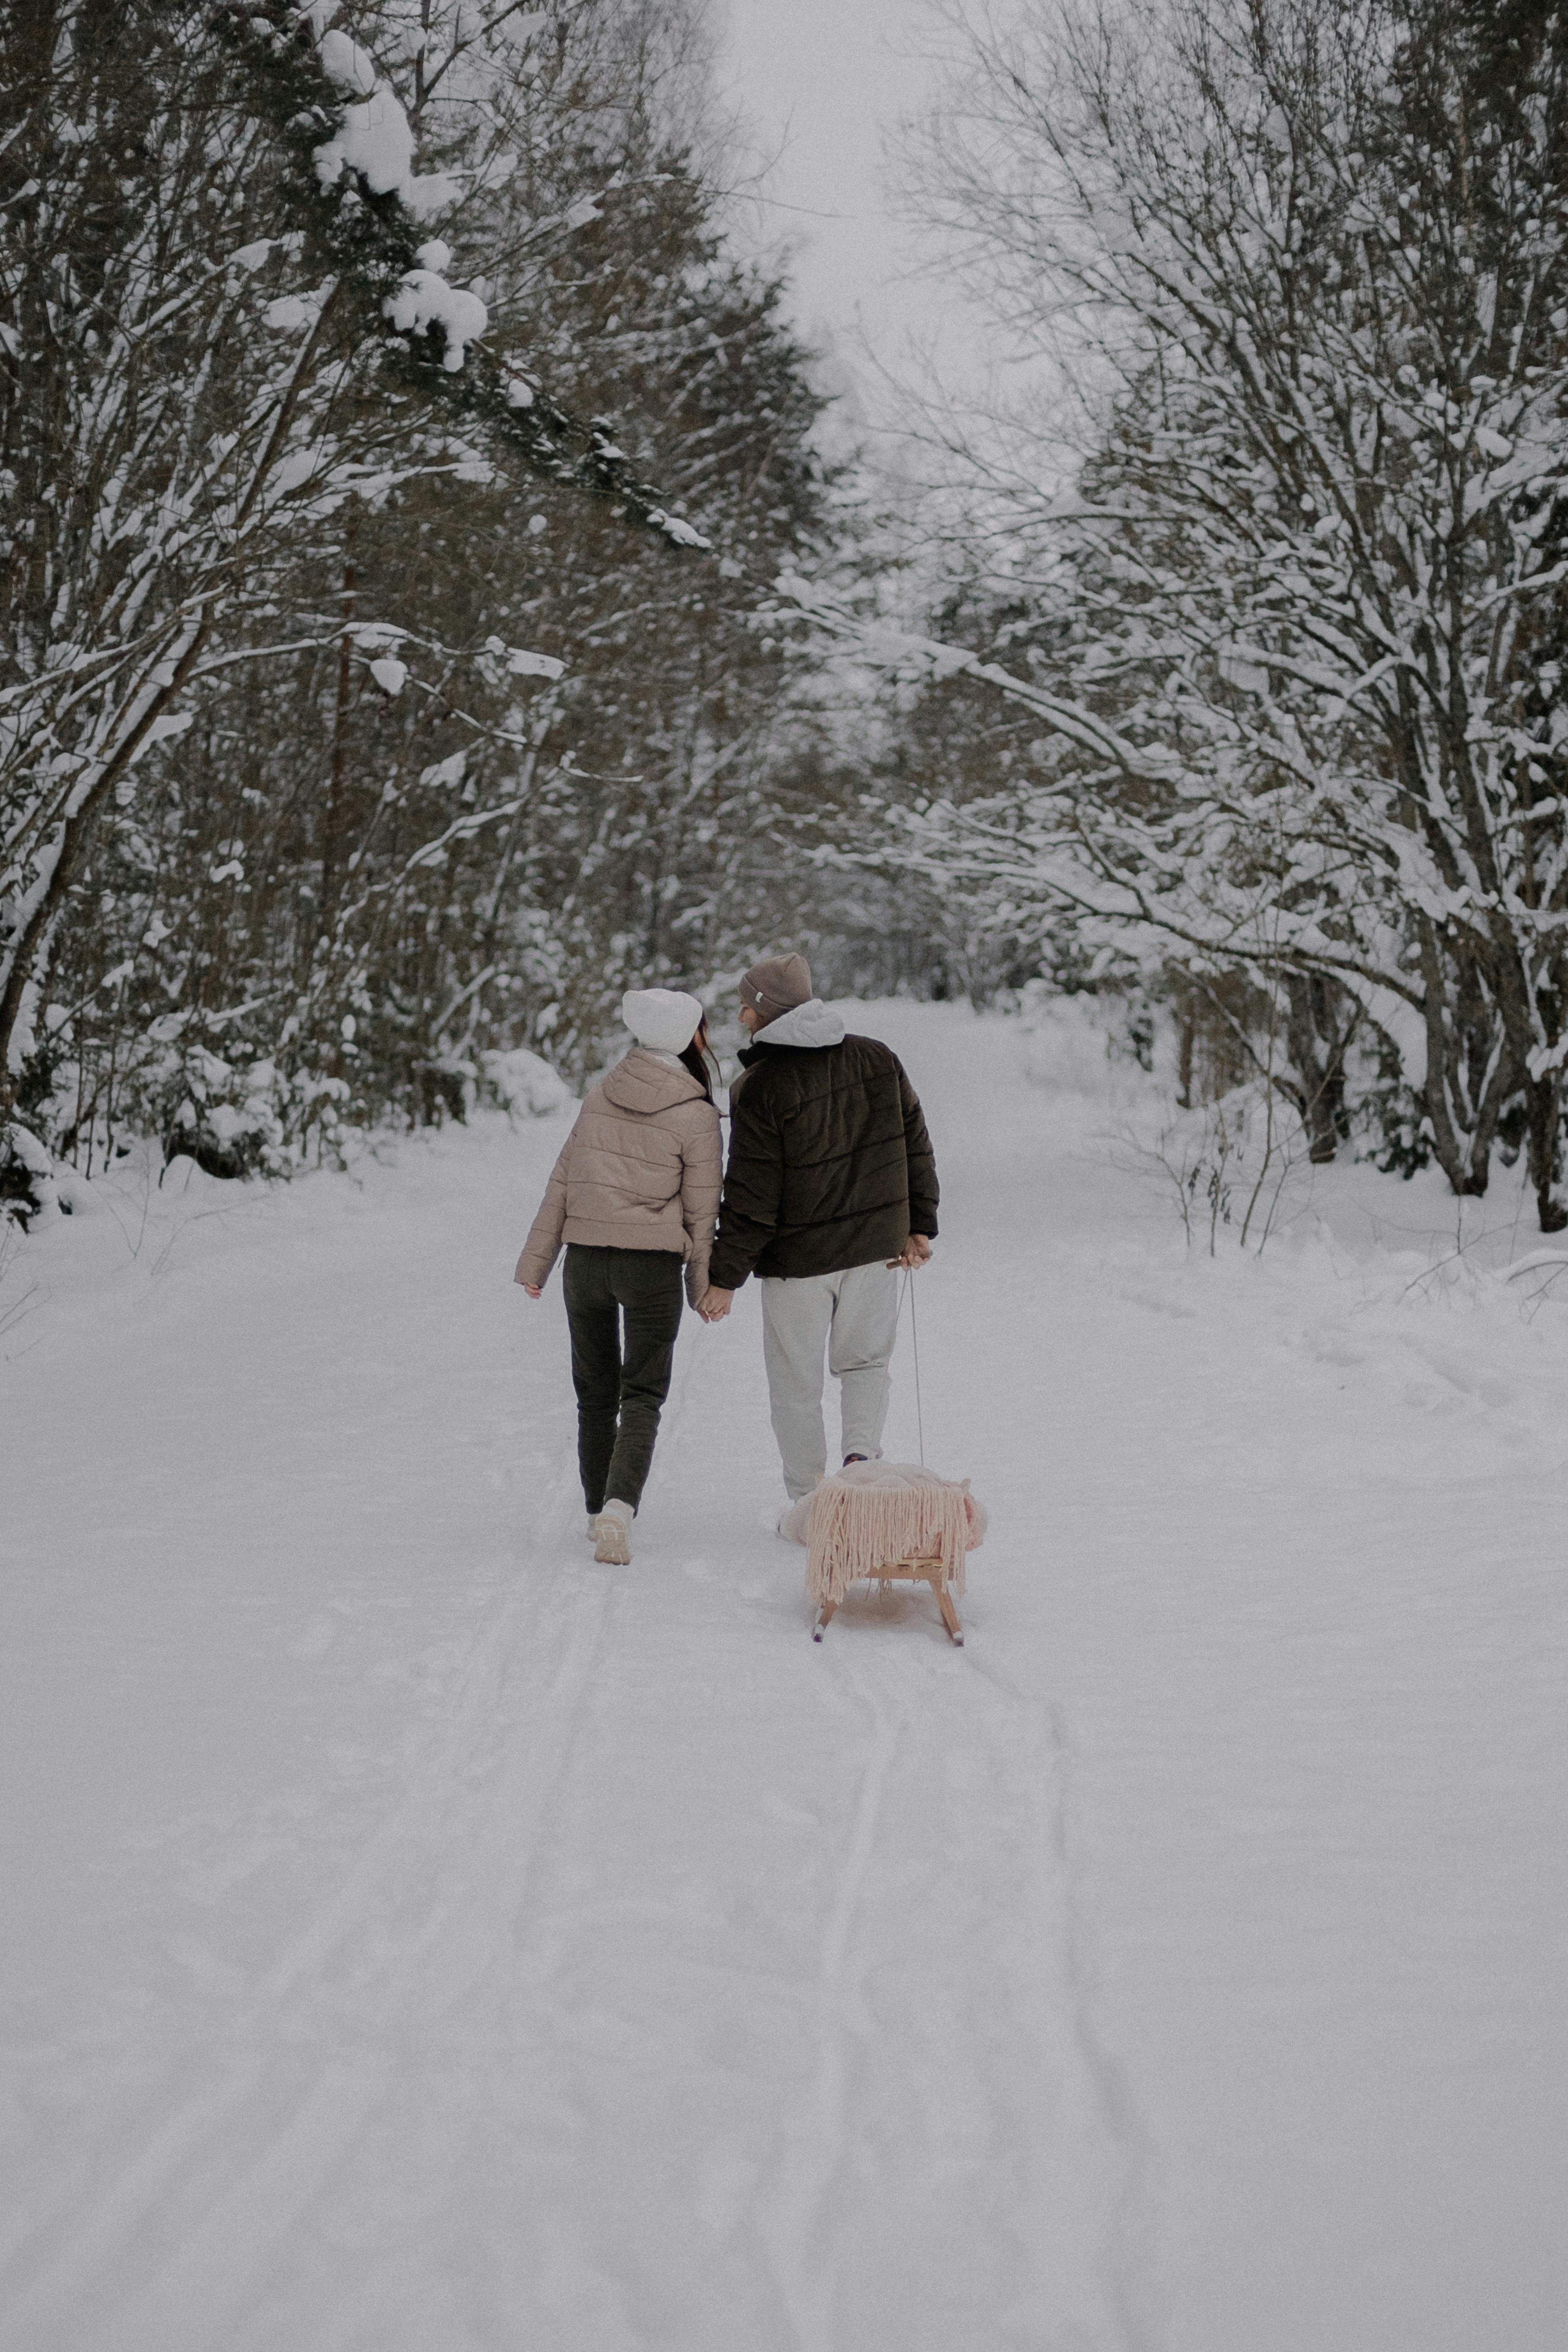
(639, 1171)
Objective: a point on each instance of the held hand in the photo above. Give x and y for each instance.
(714, 1305)
(533, 1290)
(916, 1252)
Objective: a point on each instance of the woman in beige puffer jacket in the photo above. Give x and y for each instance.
(634, 1196)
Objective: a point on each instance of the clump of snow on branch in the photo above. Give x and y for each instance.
(426, 299)
(522, 663)
(344, 62)
(375, 139)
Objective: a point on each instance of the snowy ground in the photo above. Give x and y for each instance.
(420, 1939)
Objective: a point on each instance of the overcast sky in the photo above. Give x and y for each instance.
(821, 85)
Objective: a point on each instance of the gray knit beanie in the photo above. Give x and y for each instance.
(776, 985)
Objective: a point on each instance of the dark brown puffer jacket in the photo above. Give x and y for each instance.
(830, 1164)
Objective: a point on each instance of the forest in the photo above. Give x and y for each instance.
(431, 602)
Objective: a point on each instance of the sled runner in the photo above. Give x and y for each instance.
(909, 1571)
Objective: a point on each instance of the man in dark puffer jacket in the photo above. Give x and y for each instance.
(831, 1189)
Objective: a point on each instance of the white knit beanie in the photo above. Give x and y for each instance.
(665, 1018)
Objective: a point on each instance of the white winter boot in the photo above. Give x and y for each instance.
(613, 1535)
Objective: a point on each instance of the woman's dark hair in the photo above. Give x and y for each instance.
(694, 1058)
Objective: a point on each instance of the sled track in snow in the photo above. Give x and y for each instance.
(478, 1791)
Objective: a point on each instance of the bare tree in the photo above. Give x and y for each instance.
(1297, 639)
(216, 300)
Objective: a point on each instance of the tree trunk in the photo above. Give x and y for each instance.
(334, 820)
(1470, 1071)
(1544, 1106)
(1317, 1047)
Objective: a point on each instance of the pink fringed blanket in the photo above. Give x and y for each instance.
(872, 1513)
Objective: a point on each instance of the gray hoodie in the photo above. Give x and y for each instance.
(811, 1023)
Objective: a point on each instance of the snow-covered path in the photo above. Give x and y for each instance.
(418, 1939)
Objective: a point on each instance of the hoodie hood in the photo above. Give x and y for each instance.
(647, 1082)
(811, 1023)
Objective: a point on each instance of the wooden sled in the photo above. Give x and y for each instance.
(907, 1571)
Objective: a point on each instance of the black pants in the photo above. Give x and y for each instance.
(620, 1387)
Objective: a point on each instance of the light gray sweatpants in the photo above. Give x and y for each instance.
(856, 1313)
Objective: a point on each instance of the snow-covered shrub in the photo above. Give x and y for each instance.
(1098, 1045)
(521, 1081)
(227, 1118)
(27, 1179)
(1223, 1165)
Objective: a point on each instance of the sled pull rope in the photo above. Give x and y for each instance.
(907, 1293)
(915, 1341)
